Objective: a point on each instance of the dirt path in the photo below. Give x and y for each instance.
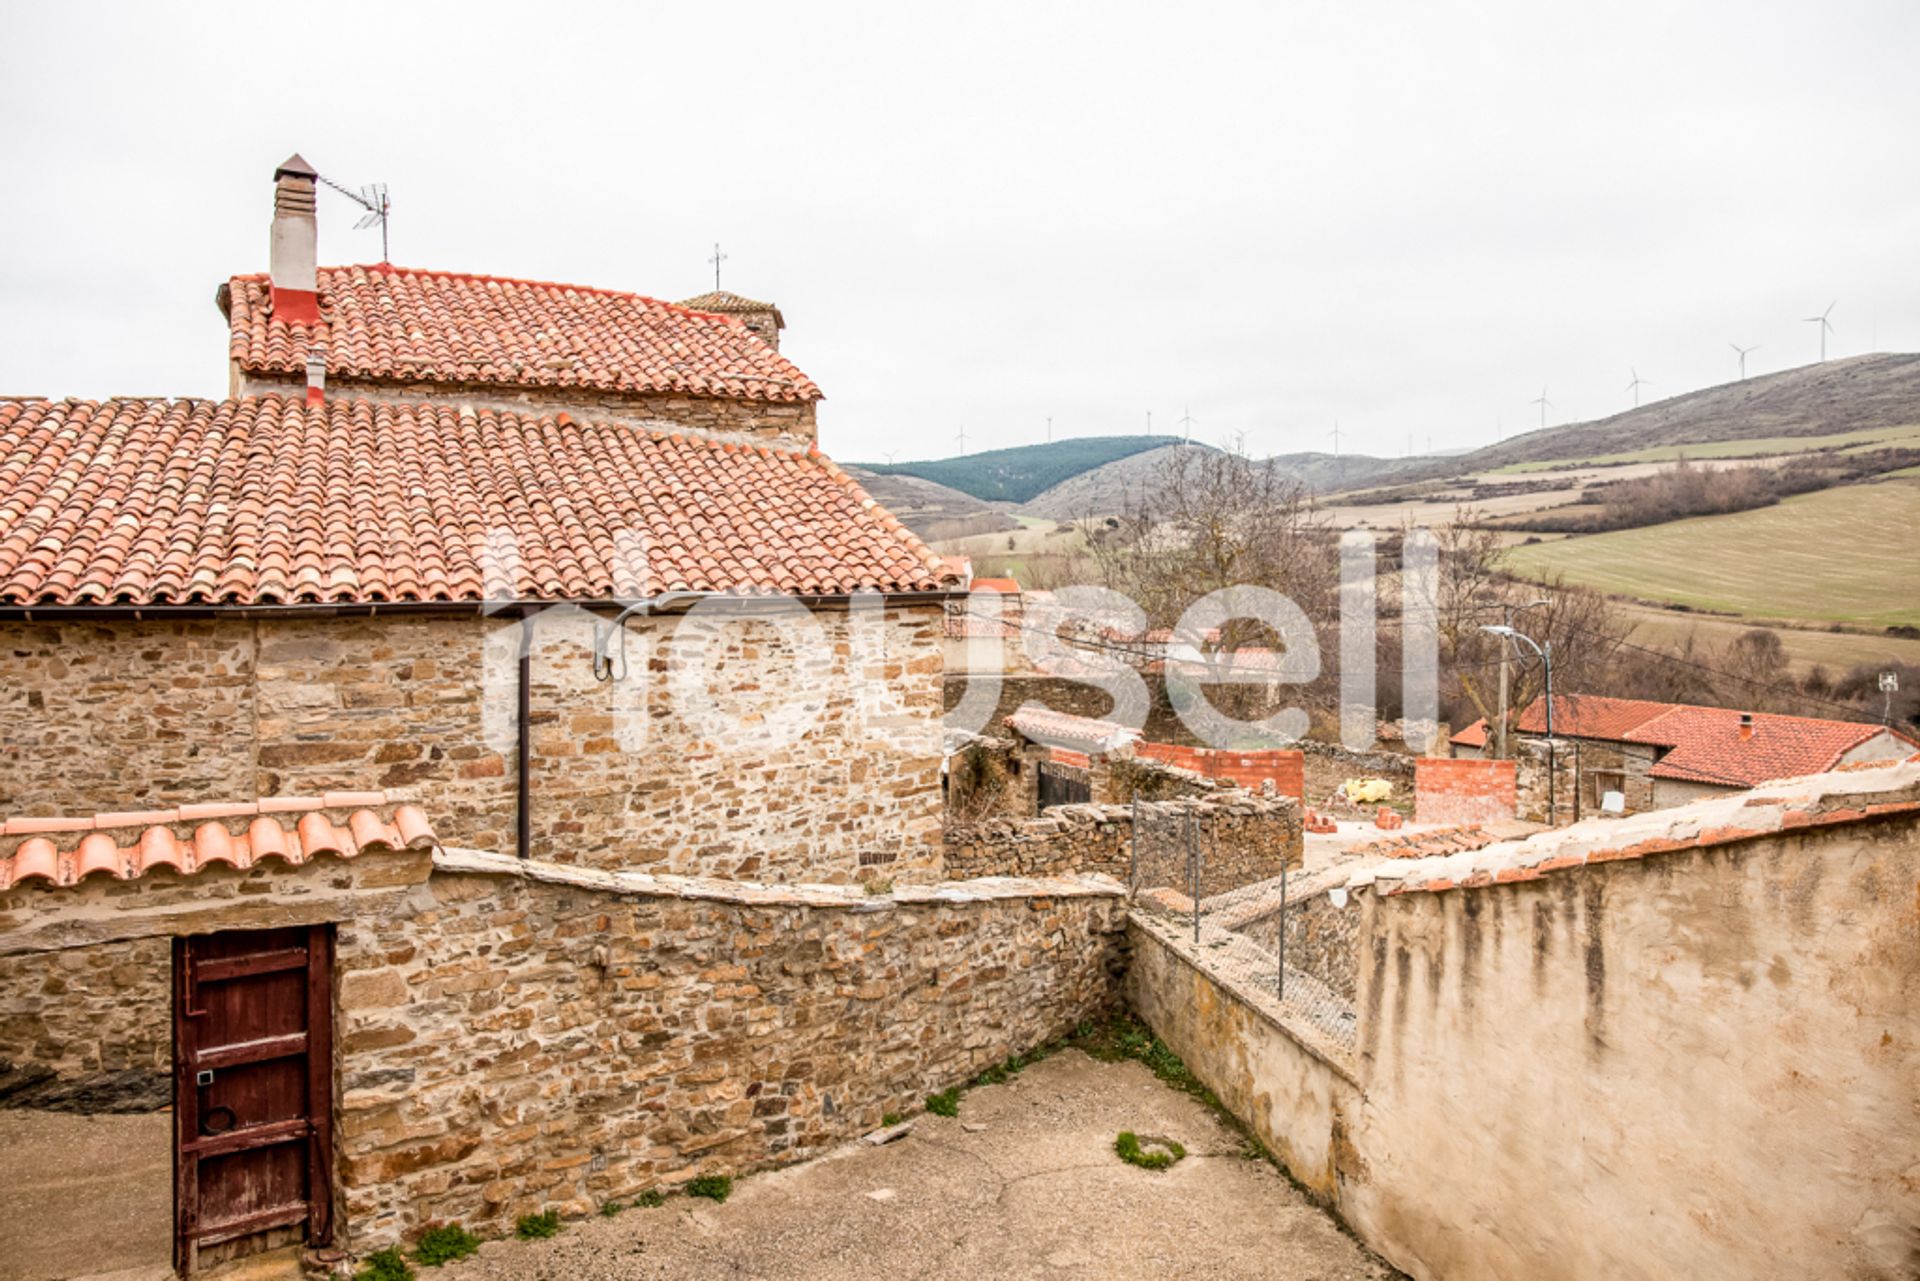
(1037, 1192)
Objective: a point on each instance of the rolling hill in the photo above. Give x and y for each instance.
(1021, 473)
(1858, 394)
(929, 509)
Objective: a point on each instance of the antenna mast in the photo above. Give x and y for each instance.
(373, 199)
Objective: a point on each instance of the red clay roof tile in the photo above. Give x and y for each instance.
(160, 845)
(397, 324)
(266, 501)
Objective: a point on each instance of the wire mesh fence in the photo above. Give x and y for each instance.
(1279, 935)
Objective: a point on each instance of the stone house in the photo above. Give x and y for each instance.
(1657, 755)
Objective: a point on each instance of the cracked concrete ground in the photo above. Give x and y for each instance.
(1037, 1193)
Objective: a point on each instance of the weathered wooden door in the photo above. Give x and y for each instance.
(253, 1087)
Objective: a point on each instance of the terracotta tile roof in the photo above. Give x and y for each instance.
(1076, 733)
(437, 326)
(265, 501)
(1445, 840)
(1701, 744)
(294, 829)
(727, 303)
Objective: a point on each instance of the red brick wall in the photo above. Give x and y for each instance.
(1462, 790)
(1286, 768)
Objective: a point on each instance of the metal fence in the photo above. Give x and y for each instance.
(1270, 935)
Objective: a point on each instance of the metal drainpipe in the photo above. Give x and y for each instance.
(523, 817)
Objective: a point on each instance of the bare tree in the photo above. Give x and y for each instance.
(1583, 626)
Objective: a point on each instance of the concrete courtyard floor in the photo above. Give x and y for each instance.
(1023, 1183)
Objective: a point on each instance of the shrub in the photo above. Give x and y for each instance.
(945, 1103)
(1127, 1144)
(536, 1227)
(714, 1187)
(385, 1265)
(444, 1244)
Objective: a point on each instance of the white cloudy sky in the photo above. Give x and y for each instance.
(1408, 217)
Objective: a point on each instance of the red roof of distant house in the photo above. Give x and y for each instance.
(91, 846)
(1061, 729)
(403, 325)
(266, 501)
(1703, 744)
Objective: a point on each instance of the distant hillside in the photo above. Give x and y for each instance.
(931, 510)
(1855, 394)
(1018, 474)
(1110, 487)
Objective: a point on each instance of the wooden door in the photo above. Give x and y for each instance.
(253, 1088)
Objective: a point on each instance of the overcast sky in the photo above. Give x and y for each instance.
(1408, 217)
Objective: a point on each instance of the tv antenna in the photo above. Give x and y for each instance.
(373, 199)
(1826, 326)
(1634, 387)
(1743, 357)
(716, 260)
(1545, 404)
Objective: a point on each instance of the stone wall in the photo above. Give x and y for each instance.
(771, 420)
(88, 1028)
(1543, 794)
(513, 1037)
(1246, 838)
(1328, 765)
(1462, 791)
(97, 717)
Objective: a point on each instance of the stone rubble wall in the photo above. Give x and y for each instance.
(1246, 838)
(111, 716)
(88, 1028)
(513, 1037)
(772, 420)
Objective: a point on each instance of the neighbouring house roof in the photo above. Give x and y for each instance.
(1076, 733)
(402, 325)
(728, 303)
(1700, 744)
(126, 845)
(264, 500)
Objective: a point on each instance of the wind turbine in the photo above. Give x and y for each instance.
(1634, 387)
(1186, 421)
(890, 454)
(1049, 431)
(1826, 326)
(1545, 404)
(1743, 357)
(1335, 433)
(962, 438)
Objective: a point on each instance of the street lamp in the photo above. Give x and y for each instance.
(1546, 657)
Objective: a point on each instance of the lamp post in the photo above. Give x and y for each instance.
(1546, 657)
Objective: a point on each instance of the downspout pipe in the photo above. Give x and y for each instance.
(523, 747)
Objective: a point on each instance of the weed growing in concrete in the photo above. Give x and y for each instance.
(651, 1199)
(444, 1244)
(945, 1103)
(536, 1227)
(1158, 1156)
(714, 1187)
(385, 1265)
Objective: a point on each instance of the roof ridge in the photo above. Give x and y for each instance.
(482, 277)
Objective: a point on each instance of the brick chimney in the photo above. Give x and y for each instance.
(293, 265)
(1746, 726)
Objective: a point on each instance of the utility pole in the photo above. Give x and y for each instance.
(1500, 752)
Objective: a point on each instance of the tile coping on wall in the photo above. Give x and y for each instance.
(1817, 800)
(754, 894)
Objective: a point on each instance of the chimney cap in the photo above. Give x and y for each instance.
(295, 166)
(1746, 718)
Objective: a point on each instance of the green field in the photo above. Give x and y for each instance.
(1757, 447)
(1849, 555)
